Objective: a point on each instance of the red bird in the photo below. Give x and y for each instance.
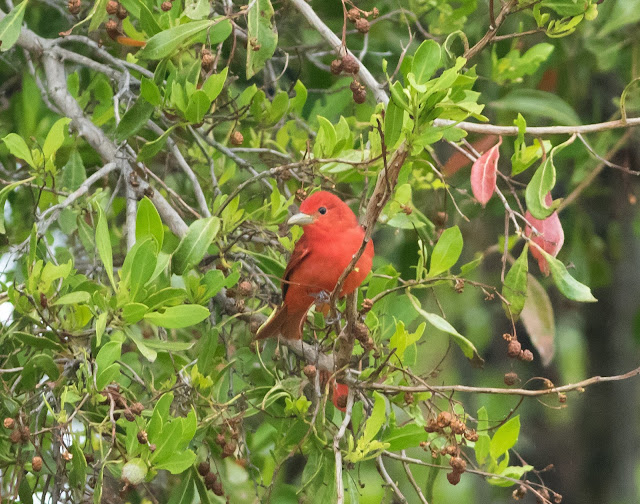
(331, 236)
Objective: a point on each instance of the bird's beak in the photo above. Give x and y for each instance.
(301, 219)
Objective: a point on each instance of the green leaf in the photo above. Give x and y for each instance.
(377, 418)
(55, 138)
(183, 493)
(178, 317)
(262, 37)
(148, 222)
(407, 436)
(402, 339)
(169, 296)
(447, 251)
(107, 375)
(43, 362)
(178, 462)
(151, 148)
(214, 84)
(393, 121)
(134, 119)
(16, 145)
(78, 473)
(101, 325)
(134, 312)
(4, 194)
(194, 244)
(73, 173)
(168, 41)
(468, 348)
(537, 318)
(108, 354)
(514, 289)
(566, 284)
(199, 104)
(426, 61)
(39, 342)
(325, 140)
(532, 102)
(103, 243)
(73, 298)
(196, 9)
(139, 265)
(505, 438)
(298, 101)
(10, 27)
(543, 180)
(150, 91)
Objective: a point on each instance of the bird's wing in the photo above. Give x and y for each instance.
(300, 252)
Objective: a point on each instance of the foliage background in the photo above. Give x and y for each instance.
(578, 78)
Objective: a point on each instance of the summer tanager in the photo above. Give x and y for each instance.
(331, 236)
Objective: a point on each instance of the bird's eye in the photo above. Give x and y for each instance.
(322, 210)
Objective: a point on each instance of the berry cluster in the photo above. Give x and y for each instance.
(449, 425)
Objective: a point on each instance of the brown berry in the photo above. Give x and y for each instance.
(408, 398)
(367, 304)
(375, 12)
(245, 288)
(15, 436)
(514, 348)
(210, 479)
(350, 64)
(361, 332)
(36, 463)
(207, 59)
(216, 488)
(9, 423)
(510, 378)
(142, 437)
(221, 440)
(457, 427)
(89, 458)
(519, 492)
(444, 419)
(121, 13)
(74, 6)
(43, 301)
(204, 468)
(562, 398)
(237, 138)
(458, 464)
(526, 356)
(128, 415)
(112, 7)
(112, 29)
(471, 435)
(137, 408)
(360, 97)
(229, 449)
(557, 498)
(336, 67)
(166, 6)
(25, 433)
(432, 426)
(309, 371)
(362, 25)
(453, 477)
(152, 447)
(353, 14)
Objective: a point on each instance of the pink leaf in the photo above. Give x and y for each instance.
(483, 174)
(549, 239)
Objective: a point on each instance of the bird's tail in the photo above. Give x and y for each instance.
(288, 324)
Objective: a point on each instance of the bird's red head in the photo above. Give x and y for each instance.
(323, 209)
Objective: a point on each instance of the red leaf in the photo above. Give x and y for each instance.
(483, 174)
(339, 396)
(550, 239)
